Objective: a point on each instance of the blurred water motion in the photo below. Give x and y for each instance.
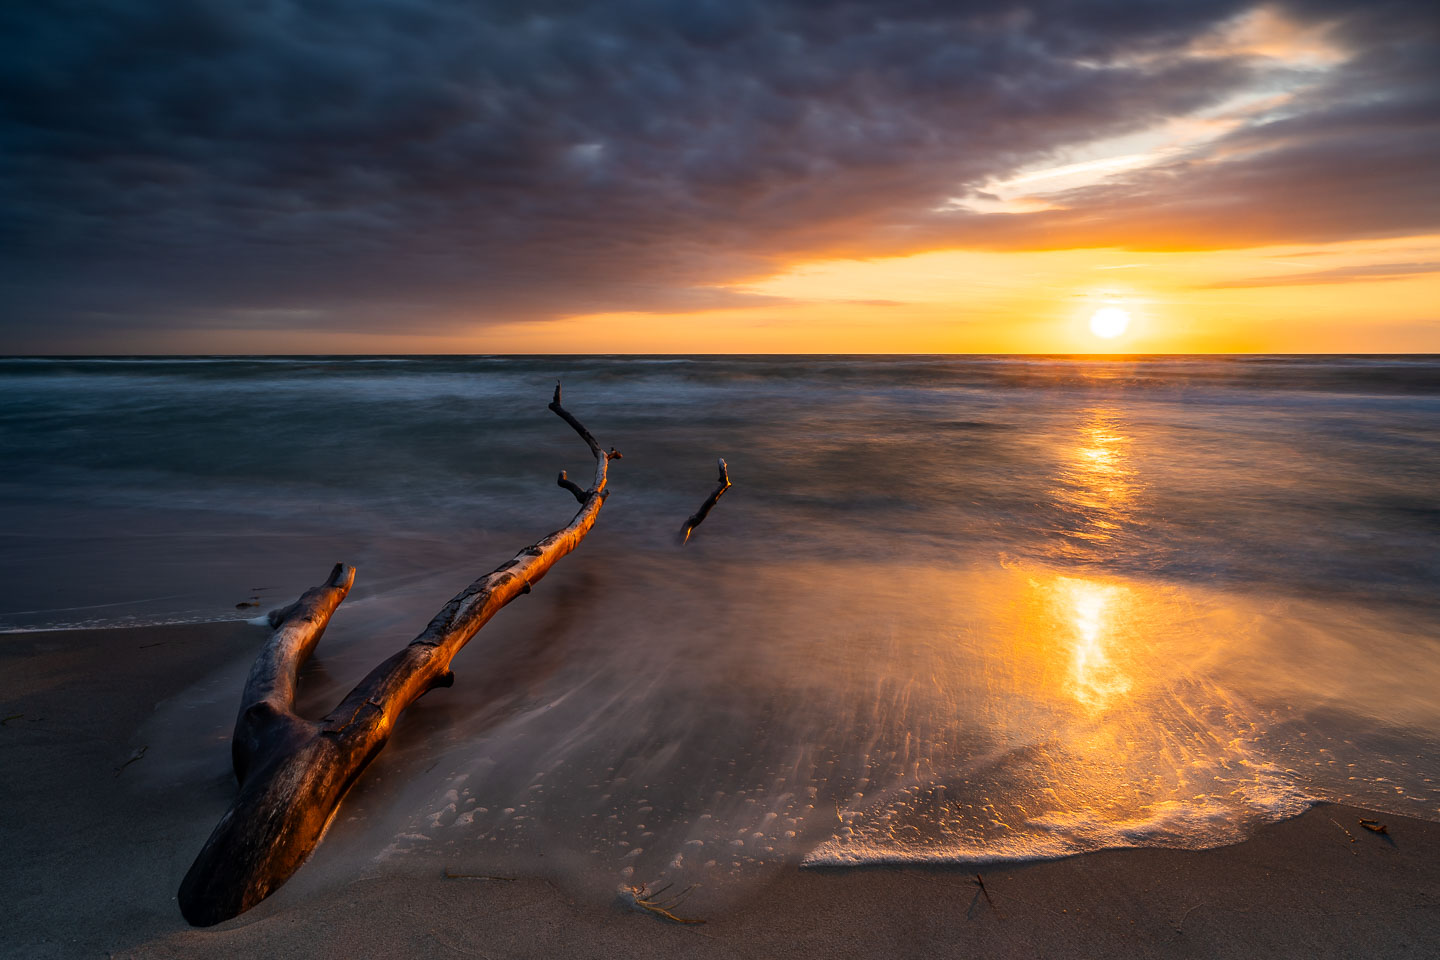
(954, 609)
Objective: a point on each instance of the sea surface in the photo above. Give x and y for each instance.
(953, 610)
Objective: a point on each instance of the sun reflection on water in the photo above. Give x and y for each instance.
(1073, 712)
(1097, 484)
(1097, 487)
(1096, 678)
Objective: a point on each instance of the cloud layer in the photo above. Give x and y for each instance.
(434, 165)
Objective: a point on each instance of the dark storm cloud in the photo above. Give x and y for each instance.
(1353, 157)
(427, 165)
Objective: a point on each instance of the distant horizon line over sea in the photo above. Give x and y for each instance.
(957, 608)
(718, 355)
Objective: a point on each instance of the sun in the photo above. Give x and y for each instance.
(1109, 322)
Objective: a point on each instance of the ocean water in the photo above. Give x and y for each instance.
(954, 610)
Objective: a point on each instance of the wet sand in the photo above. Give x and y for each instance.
(93, 859)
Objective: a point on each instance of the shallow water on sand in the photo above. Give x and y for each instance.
(954, 609)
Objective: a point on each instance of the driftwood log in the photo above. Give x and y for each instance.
(698, 517)
(294, 772)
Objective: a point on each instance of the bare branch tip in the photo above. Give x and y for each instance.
(343, 575)
(564, 481)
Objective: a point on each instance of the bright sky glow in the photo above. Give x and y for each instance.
(1109, 322)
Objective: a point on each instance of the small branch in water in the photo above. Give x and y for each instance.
(698, 517)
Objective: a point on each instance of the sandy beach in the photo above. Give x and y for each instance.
(94, 860)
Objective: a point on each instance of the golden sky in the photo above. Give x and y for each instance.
(1220, 295)
(1376, 296)
(1358, 297)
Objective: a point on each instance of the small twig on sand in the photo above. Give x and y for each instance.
(136, 756)
(1347, 832)
(475, 876)
(980, 882)
(639, 898)
(1180, 927)
(457, 948)
(1374, 826)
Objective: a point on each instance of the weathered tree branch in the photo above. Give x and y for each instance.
(698, 517)
(269, 697)
(294, 772)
